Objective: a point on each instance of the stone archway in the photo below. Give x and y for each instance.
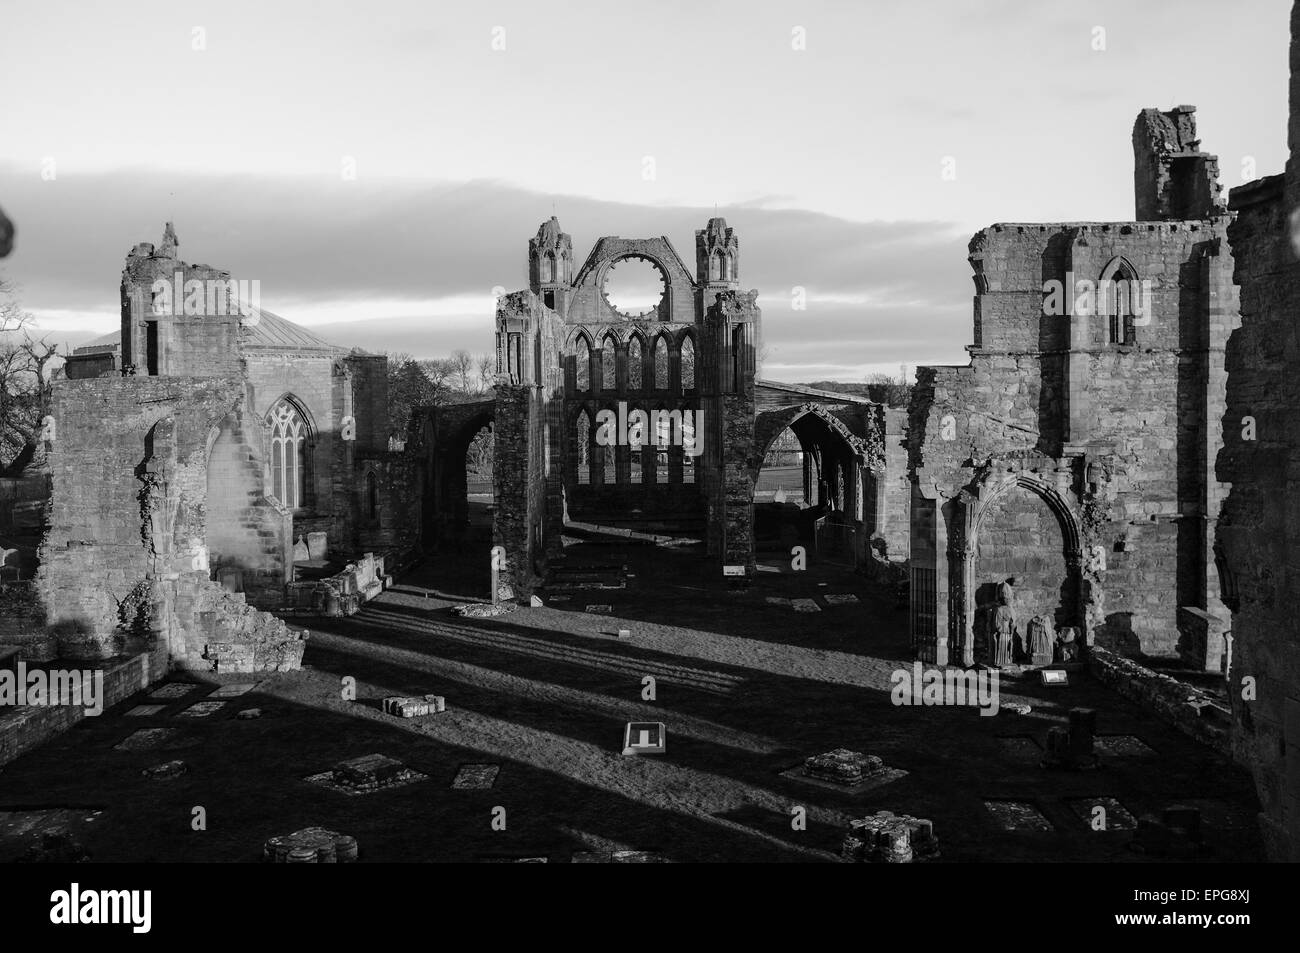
(835, 463)
(1018, 529)
(453, 428)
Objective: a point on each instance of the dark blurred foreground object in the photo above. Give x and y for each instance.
(6, 235)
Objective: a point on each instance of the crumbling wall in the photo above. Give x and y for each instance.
(124, 563)
(529, 440)
(1259, 528)
(1172, 177)
(1122, 428)
(248, 533)
(163, 332)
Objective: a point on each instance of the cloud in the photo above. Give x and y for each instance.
(410, 266)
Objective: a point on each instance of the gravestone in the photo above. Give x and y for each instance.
(318, 545)
(367, 770)
(312, 845)
(204, 709)
(476, 777)
(843, 766)
(414, 706)
(367, 774)
(1071, 747)
(645, 737)
(166, 771)
(1018, 816)
(887, 838)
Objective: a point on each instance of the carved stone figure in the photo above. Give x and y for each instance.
(1003, 629)
(1067, 645)
(1042, 640)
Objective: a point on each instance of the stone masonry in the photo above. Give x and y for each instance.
(1259, 528)
(1074, 454)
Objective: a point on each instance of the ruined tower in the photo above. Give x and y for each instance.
(1172, 178)
(717, 257)
(178, 319)
(550, 264)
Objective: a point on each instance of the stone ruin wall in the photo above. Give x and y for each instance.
(1144, 416)
(124, 561)
(530, 440)
(1259, 529)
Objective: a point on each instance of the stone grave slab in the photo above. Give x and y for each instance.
(1020, 816)
(1118, 817)
(645, 737)
(888, 838)
(167, 771)
(486, 859)
(45, 834)
(312, 845)
(777, 601)
(414, 706)
(145, 739)
(599, 609)
(203, 709)
(805, 605)
(1222, 815)
(845, 771)
(366, 775)
(1123, 746)
(476, 777)
(481, 610)
(145, 711)
(618, 857)
(233, 690)
(840, 598)
(172, 690)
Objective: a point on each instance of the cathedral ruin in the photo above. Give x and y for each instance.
(1103, 488)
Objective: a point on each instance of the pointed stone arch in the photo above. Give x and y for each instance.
(1055, 580)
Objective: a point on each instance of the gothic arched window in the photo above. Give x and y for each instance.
(634, 363)
(661, 363)
(688, 363)
(607, 364)
(1117, 291)
(582, 362)
(290, 454)
(583, 443)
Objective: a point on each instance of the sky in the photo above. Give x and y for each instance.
(380, 167)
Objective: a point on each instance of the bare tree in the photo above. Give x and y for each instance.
(487, 371)
(26, 376)
(462, 371)
(890, 390)
(438, 371)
